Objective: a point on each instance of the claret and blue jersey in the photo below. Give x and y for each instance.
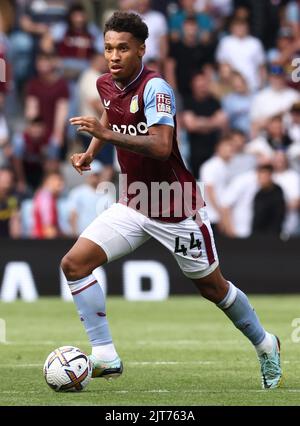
(146, 101)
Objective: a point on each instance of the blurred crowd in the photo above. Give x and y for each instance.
(235, 70)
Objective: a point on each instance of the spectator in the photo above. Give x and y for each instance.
(157, 42)
(289, 181)
(86, 202)
(126, 5)
(268, 204)
(219, 10)
(9, 206)
(122, 5)
(217, 7)
(242, 10)
(237, 104)
(243, 52)
(237, 205)
(76, 40)
(188, 8)
(5, 68)
(187, 55)
(153, 65)
(292, 125)
(292, 16)
(47, 95)
(221, 80)
(89, 102)
(30, 153)
(275, 138)
(90, 105)
(203, 119)
(281, 54)
(162, 6)
(215, 174)
(241, 162)
(6, 16)
(5, 147)
(37, 17)
(45, 207)
(265, 17)
(286, 51)
(34, 20)
(273, 100)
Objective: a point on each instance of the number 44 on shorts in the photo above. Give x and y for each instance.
(194, 243)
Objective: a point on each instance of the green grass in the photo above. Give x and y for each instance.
(179, 352)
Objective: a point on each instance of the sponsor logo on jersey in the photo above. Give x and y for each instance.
(163, 104)
(106, 103)
(134, 104)
(140, 129)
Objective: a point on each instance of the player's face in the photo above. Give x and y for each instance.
(124, 55)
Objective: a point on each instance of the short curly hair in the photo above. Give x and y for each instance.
(127, 23)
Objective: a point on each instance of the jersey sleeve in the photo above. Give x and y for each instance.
(159, 101)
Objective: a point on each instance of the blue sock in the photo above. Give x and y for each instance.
(238, 309)
(90, 301)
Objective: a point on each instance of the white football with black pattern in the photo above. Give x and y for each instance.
(67, 369)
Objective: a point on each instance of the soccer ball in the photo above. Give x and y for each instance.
(67, 369)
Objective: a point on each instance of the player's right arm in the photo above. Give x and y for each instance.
(81, 162)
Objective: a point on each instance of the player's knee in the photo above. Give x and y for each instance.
(71, 268)
(214, 291)
(209, 292)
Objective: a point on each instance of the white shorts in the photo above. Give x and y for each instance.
(119, 230)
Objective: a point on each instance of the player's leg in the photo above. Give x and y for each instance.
(78, 265)
(235, 304)
(101, 242)
(192, 244)
(82, 259)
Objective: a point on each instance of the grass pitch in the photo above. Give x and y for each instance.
(183, 351)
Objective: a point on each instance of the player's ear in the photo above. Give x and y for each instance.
(141, 51)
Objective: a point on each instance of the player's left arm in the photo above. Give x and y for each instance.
(157, 144)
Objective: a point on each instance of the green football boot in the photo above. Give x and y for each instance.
(107, 369)
(271, 373)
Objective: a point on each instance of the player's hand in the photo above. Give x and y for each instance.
(81, 162)
(89, 124)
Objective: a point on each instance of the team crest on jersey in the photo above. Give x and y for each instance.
(163, 104)
(134, 104)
